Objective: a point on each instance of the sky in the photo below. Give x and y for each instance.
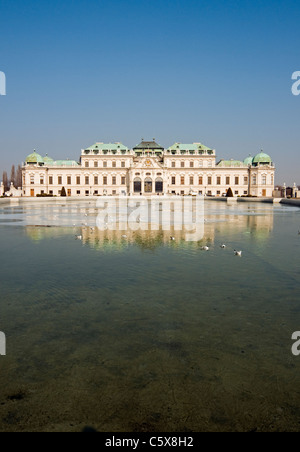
(216, 72)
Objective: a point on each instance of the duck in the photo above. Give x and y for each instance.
(78, 237)
(205, 248)
(172, 238)
(238, 253)
(223, 246)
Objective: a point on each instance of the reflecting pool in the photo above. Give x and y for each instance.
(133, 331)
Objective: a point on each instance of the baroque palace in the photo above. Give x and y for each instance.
(148, 169)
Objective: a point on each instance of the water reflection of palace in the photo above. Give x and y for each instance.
(257, 223)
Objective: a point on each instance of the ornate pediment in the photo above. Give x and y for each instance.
(148, 163)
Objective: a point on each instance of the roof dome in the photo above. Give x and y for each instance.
(34, 158)
(248, 160)
(262, 158)
(48, 159)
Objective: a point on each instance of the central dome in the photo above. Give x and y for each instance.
(262, 158)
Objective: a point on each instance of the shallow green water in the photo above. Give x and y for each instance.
(144, 334)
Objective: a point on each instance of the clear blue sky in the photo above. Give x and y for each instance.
(213, 71)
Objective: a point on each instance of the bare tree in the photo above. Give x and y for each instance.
(19, 177)
(5, 181)
(13, 175)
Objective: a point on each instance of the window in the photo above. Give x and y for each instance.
(264, 180)
(191, 164)
(114, 180)
(41, 181)
(200, 180)
(218, 192)
(95, 164)
(245, 180)
(237, 180)
(123, 165)
(182, 164)
(123, 180)
(114, 164)
(254, 179)
(87, 193)
(96, 192)
(50, 180)
(173, 164)
(236, 192)
(245, 192)
(209, 164)
(42, 192)
(114, 192)
(227, 180)
(78, 192)
(182, 180)
(209, 180)
(69, 180)
(87, 164)
(87, 180)
(105, 180)
(59, 180)
(191, 180)
(104, 164)
(173, 180)
(78, 180)
(218, 180)
(96, 180)
(51, 192)
(201, 164)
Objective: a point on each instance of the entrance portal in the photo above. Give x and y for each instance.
(159, 185)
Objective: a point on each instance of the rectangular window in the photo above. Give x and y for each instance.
(41, 181)
(78, 192)
(50, 180)
(123, 165)
(264, 180)
(227, 180)
(96, 192)
(87, 164)
(173, 180)
(173, 164)
(191, 164)
(104, 164)
(236, 192)
(59, 180)
(191, 180)
(218, 192)
(201, 164)
(218, 180)
(114, 164)
(182, 180)
(114, 180)
(209, 180)
(105, 180)
(209, 164)
(69, 180)
(96, 180)
(114, 192)
(200, 180)
(182, 164)
(237, 180)
(87, 180)
(51, 192)
(87, 193)
(245, 180)
(123, 180)
(95, 164)
(254, 180)
(78, 180)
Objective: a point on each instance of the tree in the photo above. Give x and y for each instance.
(18, 180)
(13, 175)
(5, 181)
(63, 192)
(229, 193)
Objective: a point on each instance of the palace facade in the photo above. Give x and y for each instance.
(148, 169)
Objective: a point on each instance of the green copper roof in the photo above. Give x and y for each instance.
(230, 163)
(262, 158)
(248, 160)
(48, 159)
(34, 158)
(189, 147)
(107, 147)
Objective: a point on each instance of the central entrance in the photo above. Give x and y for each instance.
(148, 185)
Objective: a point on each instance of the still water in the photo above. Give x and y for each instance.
(141, 333)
